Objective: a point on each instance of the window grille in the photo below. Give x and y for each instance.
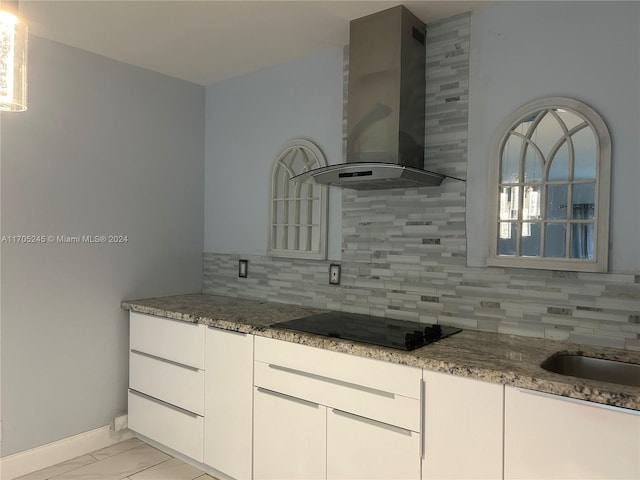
(551, 180)
(298, 220)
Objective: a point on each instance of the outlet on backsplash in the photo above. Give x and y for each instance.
(334, 274)
(243, 266)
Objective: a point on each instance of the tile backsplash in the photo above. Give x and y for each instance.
(596, 309)
(404, 250)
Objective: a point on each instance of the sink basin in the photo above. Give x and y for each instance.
(594, 369)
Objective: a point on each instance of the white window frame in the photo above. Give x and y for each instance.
(602, 190)
(286, 165)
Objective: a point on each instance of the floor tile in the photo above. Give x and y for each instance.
(206, 477)
(116, 448)
(118, 466)
(173, 469)
(59, 468)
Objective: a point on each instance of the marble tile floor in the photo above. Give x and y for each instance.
(128, 460)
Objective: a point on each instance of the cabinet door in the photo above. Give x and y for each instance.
(360, 448)
(229, 402)
(552, 437)
(289, 437)
(463, 428)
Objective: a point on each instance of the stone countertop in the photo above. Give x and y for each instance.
(492, 357)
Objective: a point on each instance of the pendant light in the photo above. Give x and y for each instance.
(13, 59)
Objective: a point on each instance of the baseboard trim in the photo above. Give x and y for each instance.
(35, 459)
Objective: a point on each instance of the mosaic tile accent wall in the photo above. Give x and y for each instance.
(447, 99)
(404, 250)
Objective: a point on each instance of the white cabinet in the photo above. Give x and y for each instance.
(463, 428)
(290, 437)
(166, 382)
(229, 405)
(553, 437)
(255, 407)
(362, 448)
(316, 409)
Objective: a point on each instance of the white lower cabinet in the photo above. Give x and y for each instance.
(255, 407)
(297, 439)
(361, 448)
(553, 437)
(229, 402)
(289, 437)
(327, 415)
(463, 428)
(166, 382)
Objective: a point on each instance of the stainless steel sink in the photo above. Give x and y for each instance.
(594, 369)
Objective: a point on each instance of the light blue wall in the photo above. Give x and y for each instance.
(521, 51)
(105, 148)
(248, 118)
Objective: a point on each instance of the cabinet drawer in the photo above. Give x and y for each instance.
(376, 374)
(172, 427)
(361, 400)
(174, 340)
(173, 383)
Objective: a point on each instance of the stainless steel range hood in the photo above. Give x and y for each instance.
(385, 108)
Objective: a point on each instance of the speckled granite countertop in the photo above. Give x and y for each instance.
(507, 359)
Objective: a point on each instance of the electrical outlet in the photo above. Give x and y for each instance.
(120, 423)
(243, 268)
(334, 274)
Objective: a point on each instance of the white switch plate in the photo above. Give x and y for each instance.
(334, 274)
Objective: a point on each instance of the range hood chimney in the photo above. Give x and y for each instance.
(385, 108)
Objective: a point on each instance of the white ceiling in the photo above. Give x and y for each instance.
(208, 41)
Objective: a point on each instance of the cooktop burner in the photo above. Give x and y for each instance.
(386, 332)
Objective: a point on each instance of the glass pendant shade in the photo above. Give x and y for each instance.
(13, 63)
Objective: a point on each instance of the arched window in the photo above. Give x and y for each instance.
(298, 226)
(550, 196)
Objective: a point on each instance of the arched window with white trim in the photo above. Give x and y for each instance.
(298, 214)
(551, 162)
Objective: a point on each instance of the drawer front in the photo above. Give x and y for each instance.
(361, 400)
(174, 340)
(167, 425)
(376, 374)
(173, 383)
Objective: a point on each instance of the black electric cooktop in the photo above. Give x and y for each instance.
(386, 332)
